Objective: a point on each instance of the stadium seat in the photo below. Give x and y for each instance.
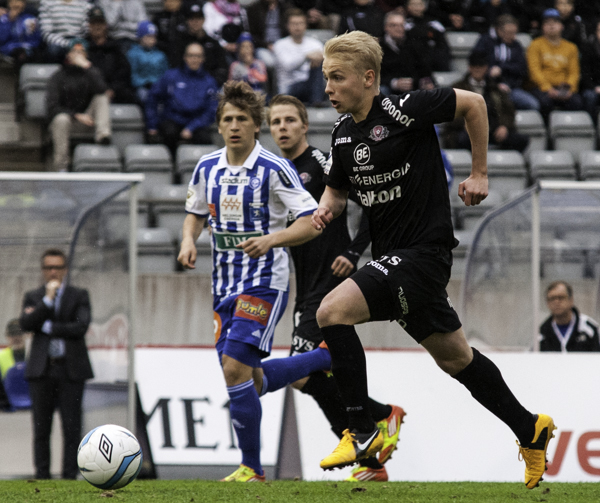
(552, 164)
(446, 79)
(531, 123)
(461, 161)
(525, 39)
(152, 160)
(168, 206)
(16, 387)
(321, 35)
(33, 80)
(461, 44)
(468, 217)
(187, 157)
(91, 157)
(589, 165)
(572, 131)
(114, 219)
(156, 251)
(507, 171)
(128, 125)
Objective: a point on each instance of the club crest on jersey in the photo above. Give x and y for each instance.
(378, 133)
(253, 308)
(254, 182)
(305, 177)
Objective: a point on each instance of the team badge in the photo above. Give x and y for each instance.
(254, 182)
(378, 133)
(305, 177)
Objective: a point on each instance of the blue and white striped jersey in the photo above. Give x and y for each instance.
(242, 202)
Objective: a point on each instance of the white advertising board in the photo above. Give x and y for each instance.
(448, 436)
(183, 390)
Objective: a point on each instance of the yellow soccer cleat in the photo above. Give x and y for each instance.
(244, 474)
(390, 429)
(364, 474)
(534, 453)
(352, 448)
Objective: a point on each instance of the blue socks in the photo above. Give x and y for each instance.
(283, 371)
(246, 412)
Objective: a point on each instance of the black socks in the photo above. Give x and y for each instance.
(485, 382)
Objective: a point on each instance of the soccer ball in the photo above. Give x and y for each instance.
(109, 457)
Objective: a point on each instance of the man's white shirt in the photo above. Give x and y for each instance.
(245, 201)
(292, 65)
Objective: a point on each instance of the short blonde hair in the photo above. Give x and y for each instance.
(359, 49)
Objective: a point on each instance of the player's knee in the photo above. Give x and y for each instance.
(326, 314)
(234, 371)
(453, 364)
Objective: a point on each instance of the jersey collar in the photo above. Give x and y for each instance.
(248, 163)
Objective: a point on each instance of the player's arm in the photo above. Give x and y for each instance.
(296, 234)
(192, 227)
(344, 264)
(471, 107)
(331, 205)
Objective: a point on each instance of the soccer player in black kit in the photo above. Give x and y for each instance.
(321, 265)
(385, 147)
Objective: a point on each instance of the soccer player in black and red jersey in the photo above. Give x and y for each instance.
(386, 149)
(337, 256)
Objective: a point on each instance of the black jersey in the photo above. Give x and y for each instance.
(313, 260)
(392, 159)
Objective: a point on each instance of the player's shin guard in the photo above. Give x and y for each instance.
(485, 382)
(349, 367)
(246, 412)
(280, 372)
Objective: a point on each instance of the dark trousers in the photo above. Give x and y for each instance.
(311, 92)
(513, 141)
(55, 390)
(547, 104)
(171, 132)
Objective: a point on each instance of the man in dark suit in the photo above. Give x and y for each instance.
(58, 315)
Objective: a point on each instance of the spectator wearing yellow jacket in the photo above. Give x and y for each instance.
(554, 67)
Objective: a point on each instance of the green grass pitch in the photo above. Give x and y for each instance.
(197, 491)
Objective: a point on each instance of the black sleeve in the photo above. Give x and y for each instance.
(33, 321)
(336, 178)
(76, 327)
(427, 107)
(97, 80)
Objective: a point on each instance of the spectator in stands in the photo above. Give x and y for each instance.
(15, 351)
(170, 22)
(500, 110)
(299, 59)
(554, 67)
(105, 54)
(429, 36)
(148, 64)
(483, 13)
(20, 35)
(362, 15)
(453, 14)
(574, 28)
(566, 329)
(247, 67)
(589, 12)
(590, 73)
(402, 68)
(123, 17)
(267, 22)
(59, 315)
(187, 96)
(219, 13)
(76, 97)
(61, 21)
(215, 57)
(322, 14)
(506, 58)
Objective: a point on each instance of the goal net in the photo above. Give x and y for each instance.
(547, 233)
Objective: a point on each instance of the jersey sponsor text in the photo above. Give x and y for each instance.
(396, 113)
(371, 198)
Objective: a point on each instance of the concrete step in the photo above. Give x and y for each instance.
(21, 154)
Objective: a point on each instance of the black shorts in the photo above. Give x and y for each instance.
(409, 286)
(307, 334)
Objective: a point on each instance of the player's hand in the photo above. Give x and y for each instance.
(187, 254)
(51, 288)
(85, 119)
(342, 267)
(473, 190)
(186, 134)
(257, 246)
(321, 218)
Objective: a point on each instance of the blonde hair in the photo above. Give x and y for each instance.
(361, 50)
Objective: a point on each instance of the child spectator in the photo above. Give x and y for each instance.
(247, 67)
(19, 33)
(148, 64)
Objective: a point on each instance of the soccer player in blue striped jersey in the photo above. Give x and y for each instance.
(246, 193)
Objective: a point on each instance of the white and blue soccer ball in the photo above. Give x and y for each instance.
(109, 457)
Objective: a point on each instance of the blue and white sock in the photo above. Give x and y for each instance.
(246, 412)
(280, 372)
